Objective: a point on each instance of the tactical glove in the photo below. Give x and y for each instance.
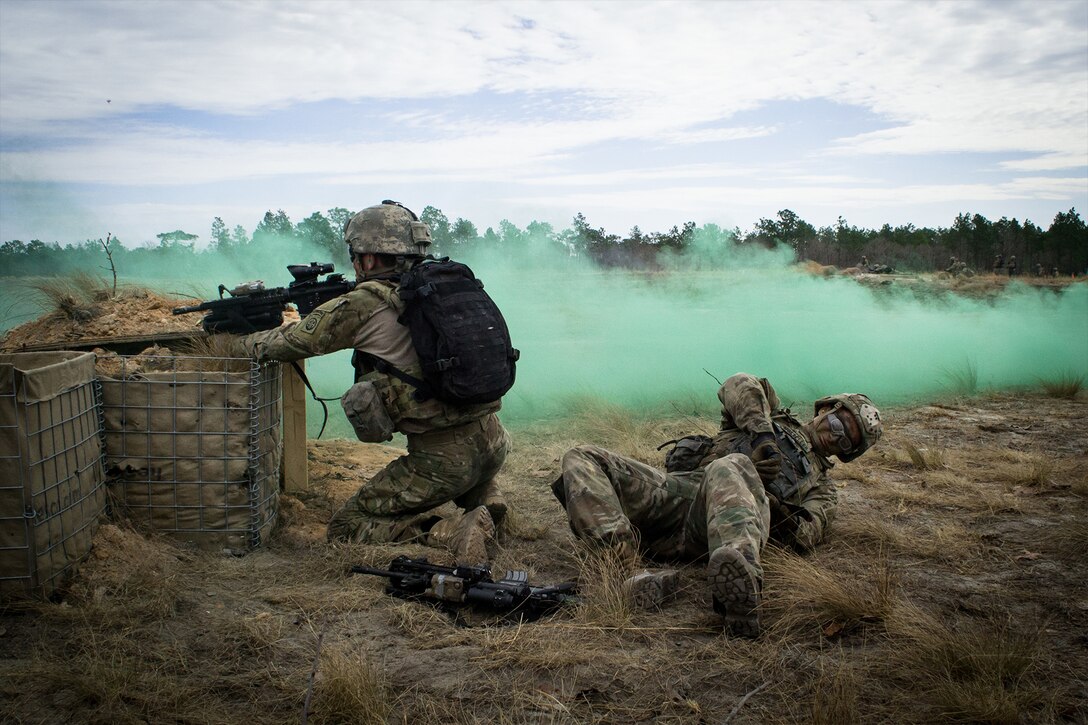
(790, 522)
(767, 457)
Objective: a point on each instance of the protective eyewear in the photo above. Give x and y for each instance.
(838, 431)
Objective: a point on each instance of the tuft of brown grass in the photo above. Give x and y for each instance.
(425, 625)
(835, 693)
(964, 380)
(520, 525)
(604, 600)
(924, 459)
(975, 672)
(543, 647)
(948, 541)
(798, 594)
(212, 346)
(74, 296)
(1067, 542)
(1066, 386)
(349, 688)
(629, 432)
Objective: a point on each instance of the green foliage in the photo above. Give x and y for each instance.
(972, 238)
(220, 236)
(318, 231)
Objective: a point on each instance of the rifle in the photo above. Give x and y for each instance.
(450, 587)
(251, 307)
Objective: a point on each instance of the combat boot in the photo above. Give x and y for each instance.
(490, 496)
(736, 583)
(467, 535)
(650, 589)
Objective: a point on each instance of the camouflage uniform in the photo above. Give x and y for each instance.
(614, 500)
(454, 452)
(759, 477)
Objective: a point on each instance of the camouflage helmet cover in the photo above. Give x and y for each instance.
(387, 228)
(864, 412)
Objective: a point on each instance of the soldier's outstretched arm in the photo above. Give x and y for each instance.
(329, 327)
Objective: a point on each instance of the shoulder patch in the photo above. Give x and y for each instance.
(312, 321)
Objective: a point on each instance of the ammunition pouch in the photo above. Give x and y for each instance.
(686, 453)
(365, 411)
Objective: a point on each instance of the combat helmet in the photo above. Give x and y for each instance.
(387, 228)
(864, 412)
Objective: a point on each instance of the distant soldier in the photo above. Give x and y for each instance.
(999, 263)
(1038, 269)
(863, 265)
(951, 268)
(1054, 271)
(1012, 266)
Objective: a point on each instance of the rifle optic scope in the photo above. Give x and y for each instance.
(307, 272)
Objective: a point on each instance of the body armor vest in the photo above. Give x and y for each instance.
(797, 466)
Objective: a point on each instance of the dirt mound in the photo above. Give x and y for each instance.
(131, 313)
(124, 562)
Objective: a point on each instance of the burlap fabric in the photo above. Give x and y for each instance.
(51, 476)
(196, 453)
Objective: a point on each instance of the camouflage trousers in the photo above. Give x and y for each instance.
(612, 499)
(456, 464)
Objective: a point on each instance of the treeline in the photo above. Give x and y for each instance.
(974, 239)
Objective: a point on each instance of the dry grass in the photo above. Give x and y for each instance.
(635, 434)
(76, 296)
(803, 596)
(925, 605)
(605, 603)
(350, 689)
(1066, 386)
(969, 672)
(1029, 470)
(208, 346)
(963, 380)
(945, 541)
(836, 693)
(924, 459)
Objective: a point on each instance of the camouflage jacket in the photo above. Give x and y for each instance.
(365, 320)
(750, 406)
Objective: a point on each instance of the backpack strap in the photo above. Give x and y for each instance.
(423, 391)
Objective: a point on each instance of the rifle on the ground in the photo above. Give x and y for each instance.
(450, 587)
(251, 307)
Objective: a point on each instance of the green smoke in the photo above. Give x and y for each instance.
(648, 341)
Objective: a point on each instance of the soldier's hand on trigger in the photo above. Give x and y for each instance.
(767, 457)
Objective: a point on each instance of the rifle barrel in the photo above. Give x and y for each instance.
(374, 572)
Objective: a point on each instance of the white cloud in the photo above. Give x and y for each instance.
(1004, 78)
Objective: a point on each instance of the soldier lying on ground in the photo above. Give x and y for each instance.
(763, 475)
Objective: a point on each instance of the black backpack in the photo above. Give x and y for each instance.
(459, 334)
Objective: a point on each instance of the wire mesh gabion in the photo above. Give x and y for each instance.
(52, 492)
(193, 446)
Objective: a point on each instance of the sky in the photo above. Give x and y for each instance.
(136, 118)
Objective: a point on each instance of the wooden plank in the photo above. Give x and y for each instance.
(295, 475)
